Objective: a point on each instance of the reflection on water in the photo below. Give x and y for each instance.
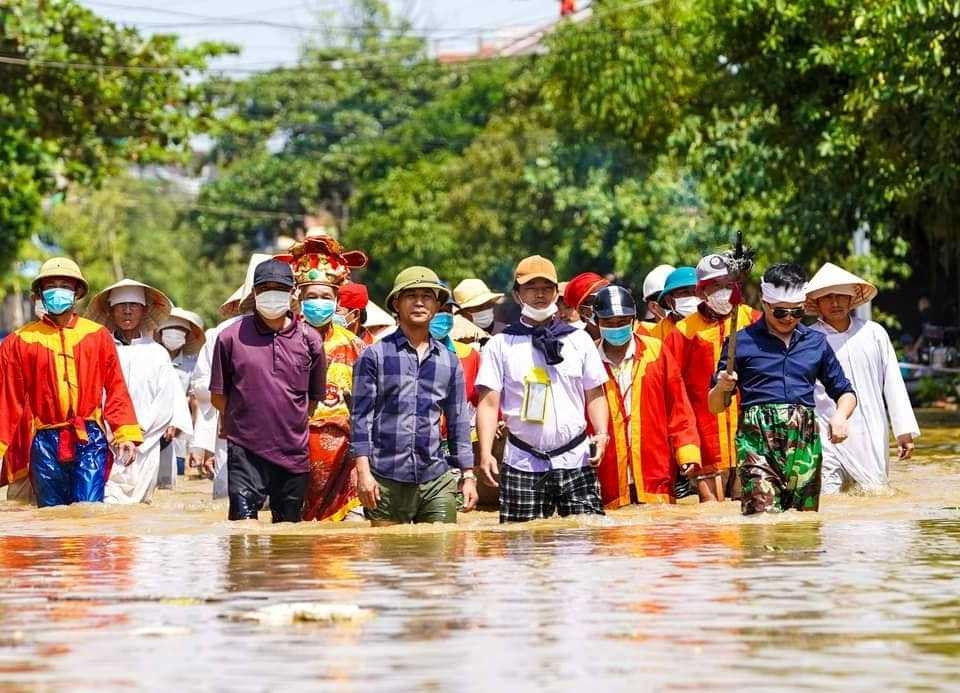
(865, 593)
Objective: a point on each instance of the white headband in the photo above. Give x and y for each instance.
(783, 294)
(128, 294)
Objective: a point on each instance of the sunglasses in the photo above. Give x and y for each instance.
(781, 313)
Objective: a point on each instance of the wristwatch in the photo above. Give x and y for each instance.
(468, 475)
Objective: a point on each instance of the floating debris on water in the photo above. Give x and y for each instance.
(160, 631)
(303, 612)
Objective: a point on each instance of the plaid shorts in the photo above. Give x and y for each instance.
(527, 496)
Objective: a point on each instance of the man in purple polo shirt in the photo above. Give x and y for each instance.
(268, 375)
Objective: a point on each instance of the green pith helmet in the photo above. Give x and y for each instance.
(418, 278)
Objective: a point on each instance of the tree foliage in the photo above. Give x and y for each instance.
(135, 228)
(64, 121)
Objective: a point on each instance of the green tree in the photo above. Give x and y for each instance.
(135, 228)
(63, 120)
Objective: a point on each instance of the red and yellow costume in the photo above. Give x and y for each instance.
(695, 345)
(332, 486)
(66, 378)
(662, 329)
(16, 462)
(332, 489)
(652, 428)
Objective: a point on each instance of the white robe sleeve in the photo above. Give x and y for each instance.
(168, 405)
(902, 418)
(208, 418)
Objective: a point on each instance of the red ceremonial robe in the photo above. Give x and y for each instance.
(64, 377)
(652, 429)
(695, 345)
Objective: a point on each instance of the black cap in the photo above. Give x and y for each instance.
(613, 302)
(273, 272)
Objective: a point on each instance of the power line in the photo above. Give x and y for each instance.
(335, 63)
(205, 21)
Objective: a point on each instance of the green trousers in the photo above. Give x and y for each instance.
(779, 458)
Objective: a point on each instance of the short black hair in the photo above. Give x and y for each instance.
(785, 275)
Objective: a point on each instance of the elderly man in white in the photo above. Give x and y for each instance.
(133, 312)
(870, 363)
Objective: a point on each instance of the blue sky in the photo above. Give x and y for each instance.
(449, 24)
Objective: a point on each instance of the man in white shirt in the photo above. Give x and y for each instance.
(542, 375)
(870, 364)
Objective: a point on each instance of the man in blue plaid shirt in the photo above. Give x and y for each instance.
(403, 387)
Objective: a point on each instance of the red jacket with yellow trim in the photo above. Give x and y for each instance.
(62, 374)
(695, 345)
(651, 427)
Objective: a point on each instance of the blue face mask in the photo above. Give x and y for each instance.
(318, 311)
(617, 336)
(59, 300)
(440, 325)
(340, 320)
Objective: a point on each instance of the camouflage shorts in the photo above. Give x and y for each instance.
(779, 458)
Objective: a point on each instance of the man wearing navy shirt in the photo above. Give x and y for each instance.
(778, 361)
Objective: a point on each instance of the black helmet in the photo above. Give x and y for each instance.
(613, 302)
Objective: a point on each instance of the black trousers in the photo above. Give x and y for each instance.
(252, 479)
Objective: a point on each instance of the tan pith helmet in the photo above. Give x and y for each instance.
(61, 267)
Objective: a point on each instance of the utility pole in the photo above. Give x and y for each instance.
(861, 248)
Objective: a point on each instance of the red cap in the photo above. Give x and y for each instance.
(582, 286)
(353, 296)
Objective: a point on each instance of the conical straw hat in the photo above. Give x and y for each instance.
(831, 279)
(189, 321)
(156, 311)
(465, 331)
(242, 298)
(378, 317)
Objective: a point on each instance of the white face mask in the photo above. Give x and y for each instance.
(483, 318)
(719, 301)
(273, 304)
(173, 340)
(539, 314)
(686, 305)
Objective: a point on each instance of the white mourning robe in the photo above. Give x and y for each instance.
(870, 364)
(206, 433)
(159, 403)
(183, 364)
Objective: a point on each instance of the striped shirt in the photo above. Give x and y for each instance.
(398, 400)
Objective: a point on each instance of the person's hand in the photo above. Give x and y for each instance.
(600, 441)
(489, 471)
(691, 470)
(470, 497)
(126, 453)
(501, 429)
(726, 382)
(839, 428)
(209, 465)
(170, 433)
(195, 458)
(905, 446)
(368, 490)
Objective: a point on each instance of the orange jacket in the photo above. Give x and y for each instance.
(649, 430)
(662, 329)
(695, 345)
(62, 375)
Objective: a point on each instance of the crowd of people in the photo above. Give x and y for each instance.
(313, 401)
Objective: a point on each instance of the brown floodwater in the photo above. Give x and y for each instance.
(865, 593)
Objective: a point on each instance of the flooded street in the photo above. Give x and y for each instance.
(863, 594)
